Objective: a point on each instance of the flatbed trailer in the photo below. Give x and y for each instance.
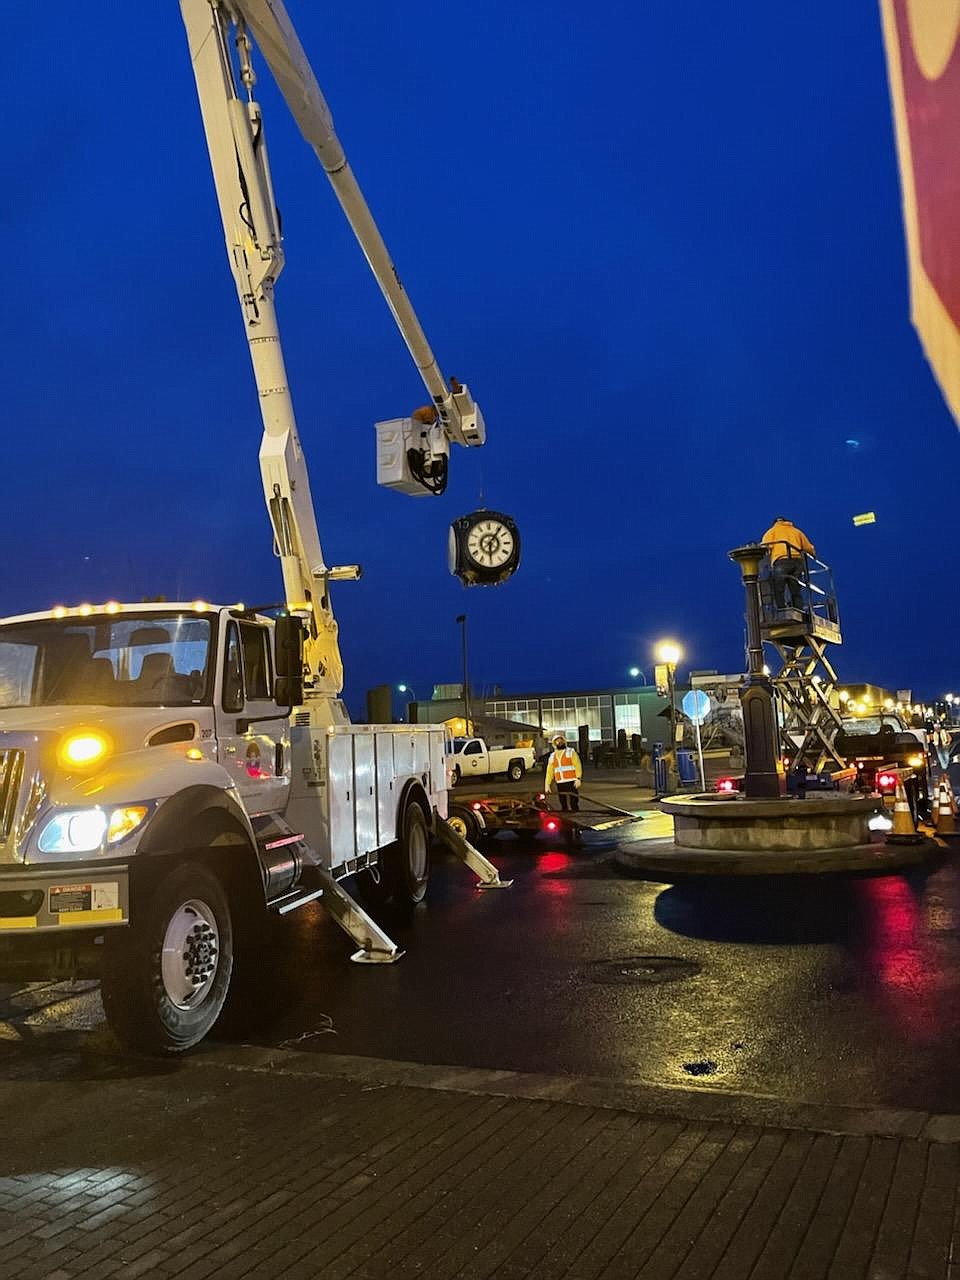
(530, 815)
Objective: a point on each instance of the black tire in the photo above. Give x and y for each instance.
(515, 770)
(407, 863)
(456, 774)
(464, 821)
(147, 1001)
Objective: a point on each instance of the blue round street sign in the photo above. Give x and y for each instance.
(696, 705)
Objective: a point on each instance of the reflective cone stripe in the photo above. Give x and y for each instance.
(944, 813)
(902, 817)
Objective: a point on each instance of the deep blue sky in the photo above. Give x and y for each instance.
(664, 248)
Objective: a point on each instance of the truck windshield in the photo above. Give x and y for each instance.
(120, 660)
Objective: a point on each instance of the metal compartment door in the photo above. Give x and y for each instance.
(387, 794)
(365, 787)
(341, 789)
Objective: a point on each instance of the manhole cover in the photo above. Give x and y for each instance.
(644, 970)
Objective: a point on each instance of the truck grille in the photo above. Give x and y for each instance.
(11, 776)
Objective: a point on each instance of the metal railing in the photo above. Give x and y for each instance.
(797, 587)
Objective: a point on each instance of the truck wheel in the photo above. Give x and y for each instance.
(408, 862)
(516, 770)
(164, 986)
(464, 822)
(456, 774)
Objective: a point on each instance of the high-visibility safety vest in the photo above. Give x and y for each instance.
(564, 765)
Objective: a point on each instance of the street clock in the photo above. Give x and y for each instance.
(484, 548)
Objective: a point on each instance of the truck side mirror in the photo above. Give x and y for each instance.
(288, 659)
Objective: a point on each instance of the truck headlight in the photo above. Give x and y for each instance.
(915, 762)
(84, 830)
(74, 831)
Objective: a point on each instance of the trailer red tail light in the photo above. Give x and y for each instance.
(886, 781)
(548, 823)
(476, 807)
(726, 784)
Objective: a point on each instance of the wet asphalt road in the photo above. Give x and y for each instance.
(822, 989)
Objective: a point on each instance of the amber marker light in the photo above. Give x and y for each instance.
(194, 753)
(83, 749)
(123, 822)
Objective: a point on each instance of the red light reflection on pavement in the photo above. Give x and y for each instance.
(900, 957)
(555, 886)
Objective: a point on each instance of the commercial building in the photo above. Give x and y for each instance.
(604, 711)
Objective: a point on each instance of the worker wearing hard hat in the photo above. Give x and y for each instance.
(788, 547)
(564, 772)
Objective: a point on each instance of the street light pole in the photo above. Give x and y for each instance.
(669, 654)
(462, 620)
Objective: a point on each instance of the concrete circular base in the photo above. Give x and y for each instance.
(664, 859)
(731, 823)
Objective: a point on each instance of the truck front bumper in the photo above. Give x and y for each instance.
(38, 899)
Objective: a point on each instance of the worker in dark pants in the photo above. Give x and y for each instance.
(564, 772)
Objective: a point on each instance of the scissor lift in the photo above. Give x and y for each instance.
(800, 619)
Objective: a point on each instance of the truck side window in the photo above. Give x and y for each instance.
(472, 749)
(256, 662)
(232, 672)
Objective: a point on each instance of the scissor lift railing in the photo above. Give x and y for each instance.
(799, 618)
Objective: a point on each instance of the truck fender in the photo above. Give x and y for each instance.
(211, 825)
(196, 817)
(414, 791)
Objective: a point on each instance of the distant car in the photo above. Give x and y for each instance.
(472, 758)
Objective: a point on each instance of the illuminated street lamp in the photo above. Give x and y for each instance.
(636, 674)
(668, 653)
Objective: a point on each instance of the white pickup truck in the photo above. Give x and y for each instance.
(472, 758)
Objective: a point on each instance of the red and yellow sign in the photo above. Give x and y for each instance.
(922, 38)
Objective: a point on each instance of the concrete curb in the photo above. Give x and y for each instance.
(704, 1105)
(666, 858)
(593, 1091)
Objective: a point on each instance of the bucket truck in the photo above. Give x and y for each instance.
(170, 773)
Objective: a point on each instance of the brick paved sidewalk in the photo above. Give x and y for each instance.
(122, 1168)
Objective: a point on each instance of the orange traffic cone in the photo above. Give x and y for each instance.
(945, 812)
(904, 830)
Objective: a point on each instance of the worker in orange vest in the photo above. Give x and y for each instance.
(564, 771)
(788, 548)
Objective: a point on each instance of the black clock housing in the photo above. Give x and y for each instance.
(484, 548)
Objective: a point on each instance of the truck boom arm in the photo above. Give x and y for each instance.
(270, 25)
(238, 156)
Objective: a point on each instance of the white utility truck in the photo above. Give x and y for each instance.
(171, 772)
(472, 758)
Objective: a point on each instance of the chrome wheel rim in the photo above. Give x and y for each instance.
(190, 955)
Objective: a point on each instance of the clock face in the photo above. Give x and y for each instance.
(490, 544)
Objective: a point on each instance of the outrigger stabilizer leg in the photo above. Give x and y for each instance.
(488, 876)
(375, 947)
